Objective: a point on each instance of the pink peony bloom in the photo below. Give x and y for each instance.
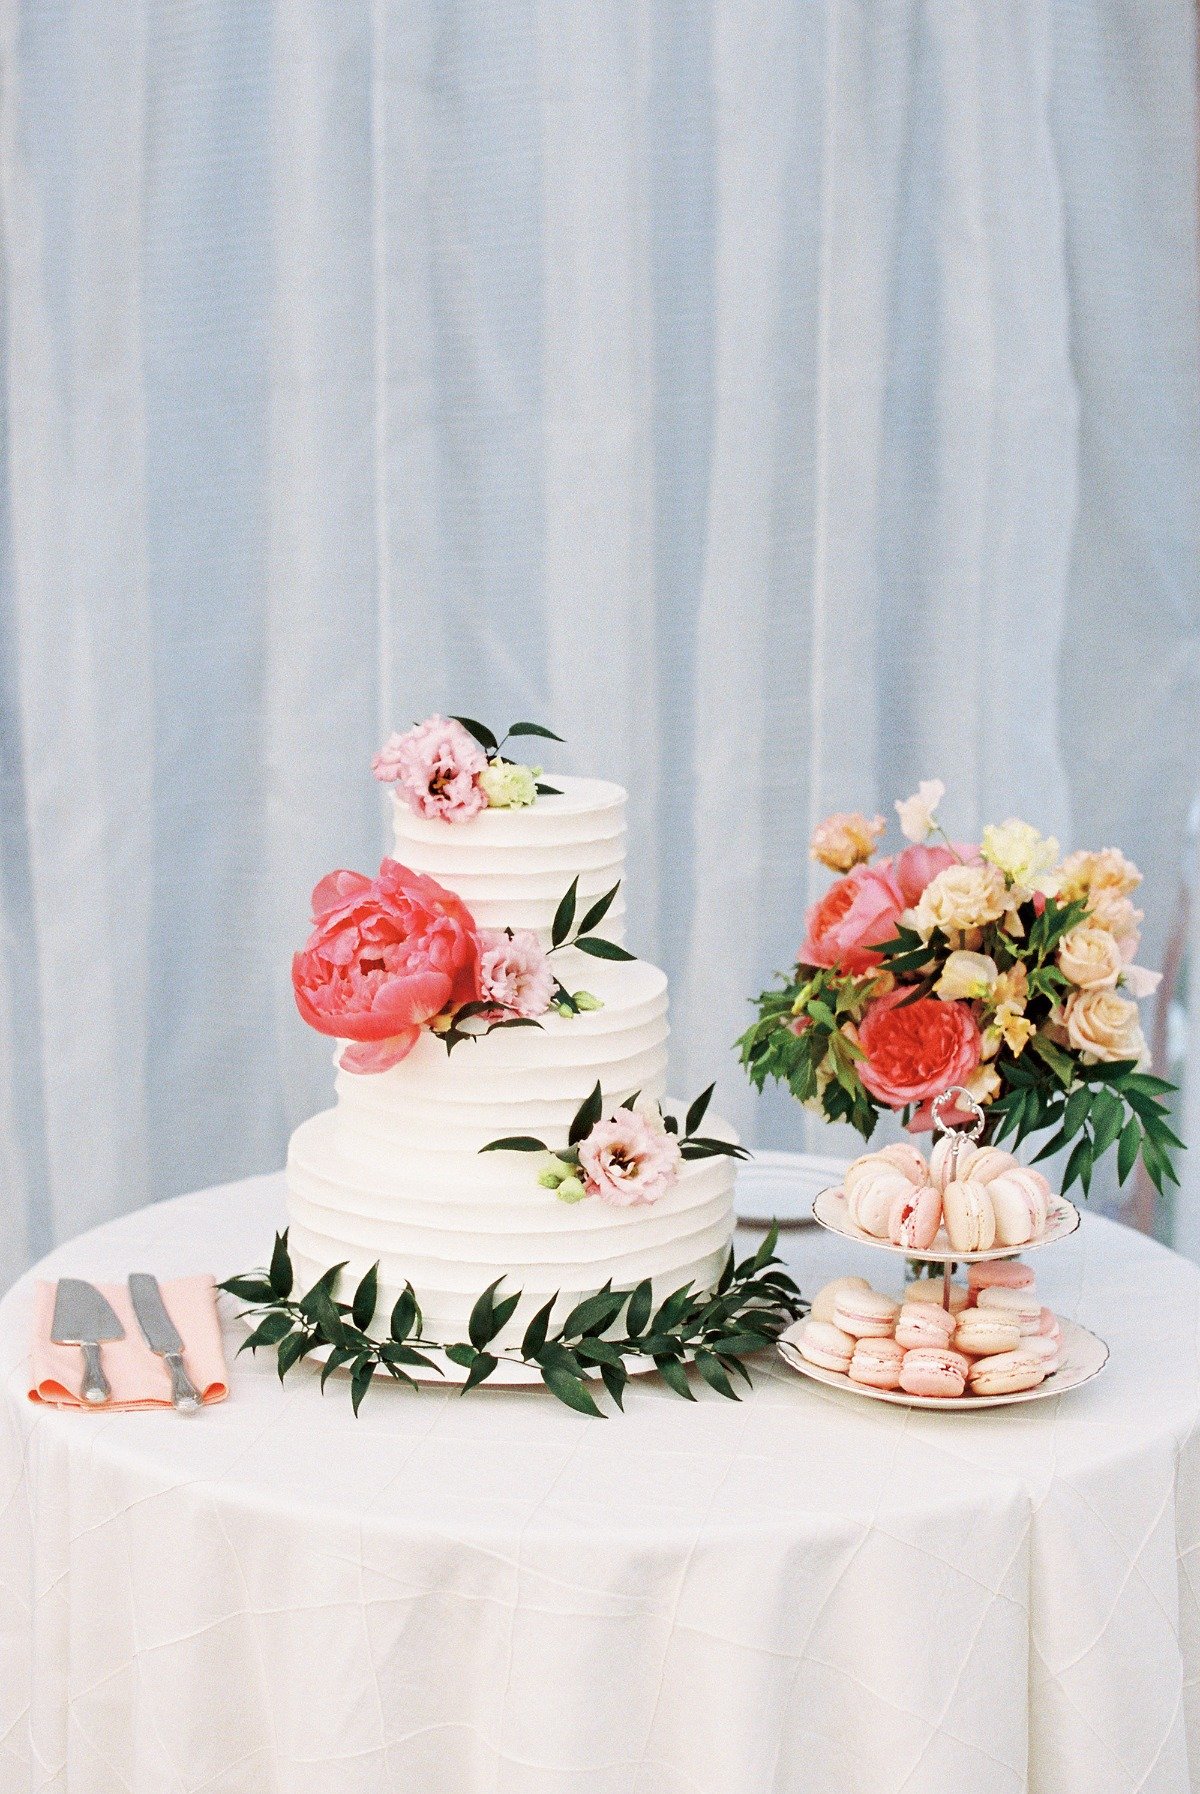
(855, 915)
(916, 1050)
(918, 866)
(385, 956)
(514, 972)
(436, 766)
(629, 1159)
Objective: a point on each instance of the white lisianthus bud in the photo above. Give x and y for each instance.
(508, 786)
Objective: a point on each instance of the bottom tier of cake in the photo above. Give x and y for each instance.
(452, 1235)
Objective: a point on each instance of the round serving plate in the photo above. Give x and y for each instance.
(1083, 1357)
(831, 1211)
(779, 1188)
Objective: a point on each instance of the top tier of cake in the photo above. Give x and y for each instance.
(511, 867)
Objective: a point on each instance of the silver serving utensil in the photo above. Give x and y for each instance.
(83, 1317)
(162, 1336)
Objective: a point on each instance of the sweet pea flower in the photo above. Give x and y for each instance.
(967, 975)
(918, 814)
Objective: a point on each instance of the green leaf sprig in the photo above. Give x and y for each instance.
(493, 745)
(713, 1330)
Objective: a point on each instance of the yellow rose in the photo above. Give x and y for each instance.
(960, 899)
(1023, 855)
(1101, 1024)
(1090, 957)
(845, 840)
(968, 976)
(1088, 874)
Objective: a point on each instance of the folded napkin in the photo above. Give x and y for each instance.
(138, 1377)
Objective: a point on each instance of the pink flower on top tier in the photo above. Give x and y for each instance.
(436, 766)
(916, 1050)
(629, 1159)
(385, 956)
(514, 972)
(855, 915)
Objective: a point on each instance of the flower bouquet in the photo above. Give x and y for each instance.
(998, 967)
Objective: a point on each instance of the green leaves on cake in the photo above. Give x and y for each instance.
(566, 932)
(628, 1156)
(452, 768)
(595, 1343)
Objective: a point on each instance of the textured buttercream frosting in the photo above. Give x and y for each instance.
(394, 1172)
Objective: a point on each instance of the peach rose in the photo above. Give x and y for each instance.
(1109, 909)
(1101, 1024)
(845, 840)
(1088, 874)
(854, 915)
(1090, 957)
(916, 1050)
(961, 899)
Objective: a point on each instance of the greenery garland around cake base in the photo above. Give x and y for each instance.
(714, 1330)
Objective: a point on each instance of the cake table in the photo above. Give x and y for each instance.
(801, 1594)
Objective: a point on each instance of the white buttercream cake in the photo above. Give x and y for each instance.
(394, 1172)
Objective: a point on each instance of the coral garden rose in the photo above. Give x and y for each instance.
(1090, 957)
(629, 1159)
(437, 766)
(1101, 1024)
(916, 1050)
(960, 900)
(852, 918)
(385, 956)
(514, 972)
(845, 840)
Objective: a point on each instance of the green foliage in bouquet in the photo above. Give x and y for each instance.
(713, 1330)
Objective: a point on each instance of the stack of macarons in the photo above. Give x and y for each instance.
(995, 1339)
(981, 1194)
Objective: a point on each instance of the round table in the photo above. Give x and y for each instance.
(804, 1592)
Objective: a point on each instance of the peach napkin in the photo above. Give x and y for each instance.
(139, 1378)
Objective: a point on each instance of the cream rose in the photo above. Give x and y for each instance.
(1123, 921)
(959, 899)
(1088, 874)
(1101, 1024)
(845, 840)
(1090, 957)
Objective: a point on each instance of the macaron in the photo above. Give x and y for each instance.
(914, 1218)
(969, 1216)
(870, 1196)
(989, 1162)
(982, 1331)
(1020, 1199)
(821, 1343)
(876, 1362)
(930, 1289)
(1049, 1327)
(865, 1314)
(1046, 1349)
(906, 1158)
(934, 1371)
(1019, 1305)
(924, 1324)
(823, 1301)
(1006, 1373)
(999, 1273)
(951, 1157)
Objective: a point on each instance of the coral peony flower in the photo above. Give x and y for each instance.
(629, 1159)
(385, 956)
(1025, 856)
(918, 814)
(916, 1050)
(1100, 1024)
(854, 915)
(514, 972)
(437, 766)
(845, 840)
(1090, 957)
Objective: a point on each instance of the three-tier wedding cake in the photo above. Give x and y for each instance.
(516, 1128)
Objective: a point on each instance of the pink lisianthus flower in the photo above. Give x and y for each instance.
(514, 972)
(914, 1051)
(853, 917)
(385, 956)
(629, 1159)
(436, 766)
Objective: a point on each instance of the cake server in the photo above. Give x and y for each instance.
(83, 1317)
(162, 1336)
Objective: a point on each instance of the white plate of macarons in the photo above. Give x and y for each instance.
(996, 1344)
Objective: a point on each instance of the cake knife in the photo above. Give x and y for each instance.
(162, 1336)
(83, 1317)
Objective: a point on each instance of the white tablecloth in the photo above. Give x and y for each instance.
(802, 1593)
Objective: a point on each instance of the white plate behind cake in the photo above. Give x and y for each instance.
(782, 1186)
(831, 1211)
(1083, 1357)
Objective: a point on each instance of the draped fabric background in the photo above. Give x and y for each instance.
(784, 400)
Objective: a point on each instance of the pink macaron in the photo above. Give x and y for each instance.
(1020, 1305)
(1007, 1373)
(865, 1313)
(924, 1324)
(933, 1371)
(825, 1345)
(876, 1362)
(914, 1218)
(998, 1273)
(982, 1331)
(1046, 1349)
(1048, 1326)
